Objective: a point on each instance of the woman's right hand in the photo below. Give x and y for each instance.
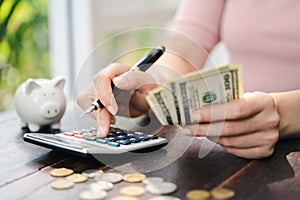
(129, 102)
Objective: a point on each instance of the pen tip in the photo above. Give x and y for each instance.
(82, 114)
(90, 109)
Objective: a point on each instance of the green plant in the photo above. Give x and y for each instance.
(24, 49)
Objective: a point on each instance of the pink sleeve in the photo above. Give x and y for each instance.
(200, 20)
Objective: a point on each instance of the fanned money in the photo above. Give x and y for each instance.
(176, 101)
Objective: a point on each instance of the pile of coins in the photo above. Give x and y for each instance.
(104, 182)
(70, 179)
(217, 193)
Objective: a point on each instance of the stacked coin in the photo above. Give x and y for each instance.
(69, 178)
(217, 193)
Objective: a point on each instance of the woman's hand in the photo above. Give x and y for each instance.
(131, 100)
(247, 128)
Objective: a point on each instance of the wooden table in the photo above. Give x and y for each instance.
(25, 168)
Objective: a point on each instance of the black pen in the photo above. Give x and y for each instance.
(141, 65)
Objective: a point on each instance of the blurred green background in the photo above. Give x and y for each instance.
(24, 47)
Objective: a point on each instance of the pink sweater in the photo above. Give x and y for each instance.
(262, 35)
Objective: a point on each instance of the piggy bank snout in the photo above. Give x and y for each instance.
(50, 110)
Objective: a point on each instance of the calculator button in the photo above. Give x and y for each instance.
(89, 134)
(92, 129)
(121, 137)
(144, 138)
(124, 142)
(112, 135)
(79, 136)
(134, 140)
(69, 133)
(77, 132)
(113, 130)
(131, 135)
(114, 144)
(111, 139)
(128, 132)
(102, 141)
(91, 138)
(152, 137)
(86, 130)
(139, 133)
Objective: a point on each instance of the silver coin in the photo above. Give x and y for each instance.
(93, 195)
(161, 188)
(91, 173)
(164, 198)
(101, 185)
(153, 180)
(109, 177)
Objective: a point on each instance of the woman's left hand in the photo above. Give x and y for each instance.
(247, 128)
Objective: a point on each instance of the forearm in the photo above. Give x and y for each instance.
(182, 56)
(288, 106)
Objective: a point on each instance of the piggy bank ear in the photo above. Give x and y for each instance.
(31, 85)
(59, 82)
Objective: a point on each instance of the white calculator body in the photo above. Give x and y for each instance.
(85, 141)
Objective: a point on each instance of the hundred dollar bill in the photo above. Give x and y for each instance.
(198, 91)
(156, 107)
(166, 110)
(161, 99)
(175, 110)
(176, 103)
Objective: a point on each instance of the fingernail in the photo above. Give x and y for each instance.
(122, 81)
(186, 131)
(196, 116)
(111, 110)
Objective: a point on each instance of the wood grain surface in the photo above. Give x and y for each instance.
(25, 167)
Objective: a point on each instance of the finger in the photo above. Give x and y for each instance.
(236, 109)
(263, 121)
(223, 128)
(251, 153)
(111, 71)
(103, 89)
(103, 120)
(237, 127)
(133, 80)
(250, 140)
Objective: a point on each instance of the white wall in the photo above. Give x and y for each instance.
(77, 26)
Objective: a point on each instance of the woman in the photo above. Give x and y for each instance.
(263, 36)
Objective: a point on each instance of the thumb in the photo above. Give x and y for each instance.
(133, 80)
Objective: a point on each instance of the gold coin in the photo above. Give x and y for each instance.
(197, 195)
(77, 178)
(62, 184)
(61, 172)
(124, 198)
(222, 193)
(132, 191)
(134, 178)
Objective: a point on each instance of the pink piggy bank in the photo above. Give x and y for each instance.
(41, 102)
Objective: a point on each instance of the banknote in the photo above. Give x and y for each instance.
(177, 100)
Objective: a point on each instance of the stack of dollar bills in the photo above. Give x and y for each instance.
(175, 102)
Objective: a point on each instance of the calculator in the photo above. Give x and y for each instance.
(85, 141)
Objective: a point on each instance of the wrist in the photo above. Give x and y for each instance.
(287, 105)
